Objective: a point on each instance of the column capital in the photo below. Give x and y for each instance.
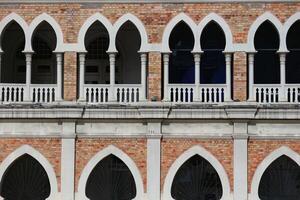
(197, 57)
(282, 57)
(166, 57)
(251, 57)
(59, 56)
(143, 56)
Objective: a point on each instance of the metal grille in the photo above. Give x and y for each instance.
(25, 179)
(196, 179)
(280, 181)
(97, 48)
(111, 179)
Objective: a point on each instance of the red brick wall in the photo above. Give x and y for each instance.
(49, 148)
(136, 149)
(258, 150)
(173, 148)
(70, 76)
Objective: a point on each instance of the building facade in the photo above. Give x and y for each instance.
(150, 99)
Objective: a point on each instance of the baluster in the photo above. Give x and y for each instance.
(87, 94)
(132, 95)
(138, 95)
(187, 95)
(176, 94)
(123, 94)
(171, 94)
(106, 95)
(128, 95)
(90, 95)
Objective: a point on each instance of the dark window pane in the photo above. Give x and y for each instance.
(111, 179)
(182, 67)
(280, 181)
(196, 179)
(25, 179)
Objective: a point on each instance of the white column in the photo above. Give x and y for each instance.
(81, 76)
(0, 65)
(143, 76)
(282, 94)
(228, 76)
(166, 76)
(153, 161)
(59, 76)
(68, 161)
(251, 76)
(197, 57)
(27, 96)
(240, 167)
(112, 65)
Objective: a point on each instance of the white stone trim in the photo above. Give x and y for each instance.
(265, 164)
(10, 18)
(287, 25)
(52, 22)
(101, 155)
(267, 16)
(170, 26)
(88, 23)
(26, 149)
(196, 150)
(138, 24)
(224, 26)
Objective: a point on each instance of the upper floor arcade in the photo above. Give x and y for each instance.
(197, 62)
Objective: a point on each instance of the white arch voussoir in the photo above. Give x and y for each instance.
(224, 26)
(181, 17)
(53, 23)
(16, 18)
(138, 24)
(196, 150)
(101, 155)
(267, 16)
(88, 23)
(266, 163)
(26, 149)
(287, 25)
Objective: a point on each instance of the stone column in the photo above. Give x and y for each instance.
(59, 76)
(282, 93)
(166, 76)
(81, 76)
(27, 95)
(68, 160)
(143, 92)
(153, 160)
(251, 76)
(197, 59)
(240, 167)
(112, 77)
(228, 57)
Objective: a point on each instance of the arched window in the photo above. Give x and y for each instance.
(97, 60)
(128, 62)
(13, 65)
(280, 181)
(44, 60)
(293, 57)
(266, 60)
(25, 179)
(213, 67)
(111, 179)
(181, 66)
(196, 179)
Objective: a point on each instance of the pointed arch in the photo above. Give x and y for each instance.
(26, 149)
(138, 24)
(287, 25)
(53, 23)
(196, 150)
(181, 17)
(13, 17)
(267, 16)
(224, 26)
(101, 155)
(88, 23)
(266, 163)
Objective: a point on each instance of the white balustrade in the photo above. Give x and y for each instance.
(213, 93)
(95, 93)
(180, 92)
(128, 93)
(10, 92)
(43, 93)
(267, 93)
(292, 92)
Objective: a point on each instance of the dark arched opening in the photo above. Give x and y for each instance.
(13, 65)
(280, 181)
(213, 67)
(128, 62)
(43, 69)
(181, 65)
(111, 179)
(196, 179)
(25, 179)
(97, 60)
(266, 60)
